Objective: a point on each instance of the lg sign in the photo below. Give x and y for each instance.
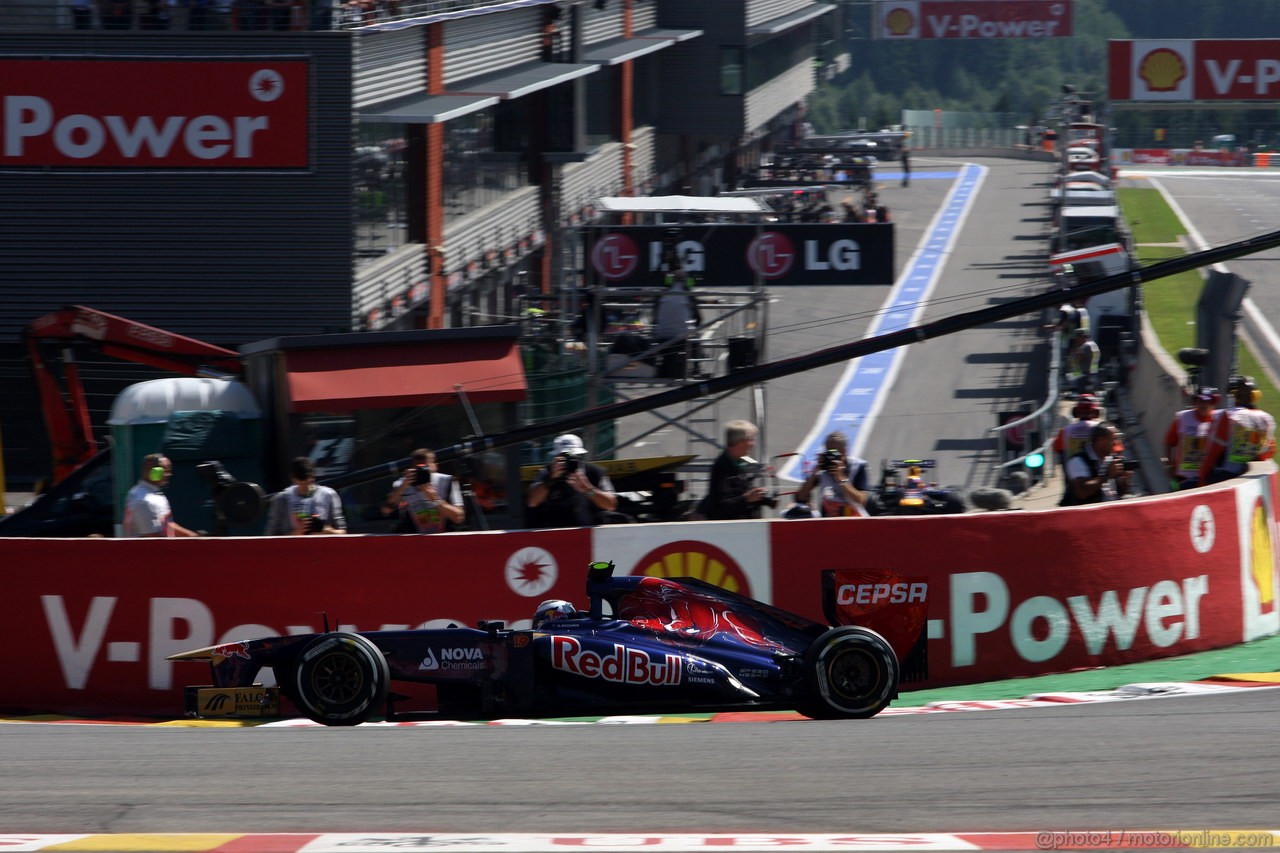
(162, 114)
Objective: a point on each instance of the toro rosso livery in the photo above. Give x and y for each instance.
(669, 645)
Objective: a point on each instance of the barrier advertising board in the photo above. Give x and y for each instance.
(1008, 594)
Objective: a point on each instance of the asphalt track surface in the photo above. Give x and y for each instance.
(1194, 762)
(1191, 762)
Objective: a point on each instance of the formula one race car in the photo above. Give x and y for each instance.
(670, 645)
(909, 493)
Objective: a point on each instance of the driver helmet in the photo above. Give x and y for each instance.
(551, 610)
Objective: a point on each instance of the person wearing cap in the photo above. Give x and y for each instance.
(1072, 438)
(1185, 441)
(569, 491)
(1238, 435)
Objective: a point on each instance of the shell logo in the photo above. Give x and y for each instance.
(1162, 70)
(1262, 561)
(690, 558)
(899, 22)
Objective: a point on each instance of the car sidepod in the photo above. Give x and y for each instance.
(616, 665)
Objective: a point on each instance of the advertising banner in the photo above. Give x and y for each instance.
(973, 19)
(1007, 594)
(1017, 594)
(1194, 70)
(729, 255)
(106, 113)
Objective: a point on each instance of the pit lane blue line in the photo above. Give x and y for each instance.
(859, 395)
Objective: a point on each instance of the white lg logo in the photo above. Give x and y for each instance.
(266, 85)
(1202, 529)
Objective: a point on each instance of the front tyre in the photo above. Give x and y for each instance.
(850, 673)
(339, 679)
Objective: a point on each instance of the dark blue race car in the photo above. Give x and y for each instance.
(668, 645)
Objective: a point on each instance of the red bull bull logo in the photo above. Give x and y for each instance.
(231, 650)
(623, 666)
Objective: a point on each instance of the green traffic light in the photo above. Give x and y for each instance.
(1035, 460)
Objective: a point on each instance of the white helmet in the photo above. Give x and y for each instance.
(551, 610)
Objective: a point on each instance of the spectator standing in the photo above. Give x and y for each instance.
(1096, 474)
(732, 493)
(906, 167)
(305, 508)
(1082, 362)
(569, 491)
(1072, 438)
(1184, 443)
(426, 500)
(146, 509)
(675, 316)
(840, 481)
(1238, 435)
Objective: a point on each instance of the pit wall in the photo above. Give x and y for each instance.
(1009, 594)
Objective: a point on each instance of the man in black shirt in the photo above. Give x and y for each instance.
(569, 491)
(731, 493)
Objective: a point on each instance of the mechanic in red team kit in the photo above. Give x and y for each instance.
(1185, 441)
(1238, 435)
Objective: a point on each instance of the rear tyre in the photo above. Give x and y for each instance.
(850, 673)
(339, 679)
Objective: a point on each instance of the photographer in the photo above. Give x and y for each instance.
(732, 492)
(1097, 473)
(427, 501)
(569, 491)
(840, 481)
(305, 509)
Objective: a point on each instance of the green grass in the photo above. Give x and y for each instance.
(1170, 303)
(1150, 219)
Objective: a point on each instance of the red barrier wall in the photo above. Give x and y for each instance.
(1015, 593)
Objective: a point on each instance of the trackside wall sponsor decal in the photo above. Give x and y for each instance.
(1008, 594)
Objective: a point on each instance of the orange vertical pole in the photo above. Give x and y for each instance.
(434, 188)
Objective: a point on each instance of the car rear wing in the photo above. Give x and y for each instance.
(894, 606)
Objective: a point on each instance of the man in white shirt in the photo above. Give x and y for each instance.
(146, 509)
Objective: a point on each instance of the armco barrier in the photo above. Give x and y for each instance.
(1010, 594)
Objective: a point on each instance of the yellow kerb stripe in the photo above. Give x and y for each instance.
(148, 843)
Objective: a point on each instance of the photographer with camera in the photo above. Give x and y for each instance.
(840, 481)
(732, 492)
(569, 491)
(305, 509)
(426, 500)
(1098, 472)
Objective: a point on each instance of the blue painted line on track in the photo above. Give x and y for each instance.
(859, 395)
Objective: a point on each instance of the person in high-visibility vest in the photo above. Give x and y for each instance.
(1072, 438)
(1238, 435)
(1185, 441)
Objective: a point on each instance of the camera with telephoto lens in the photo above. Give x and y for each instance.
(315, 524)
(829, 460)
(1127, 464)
(422, 476)
(571, 464)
